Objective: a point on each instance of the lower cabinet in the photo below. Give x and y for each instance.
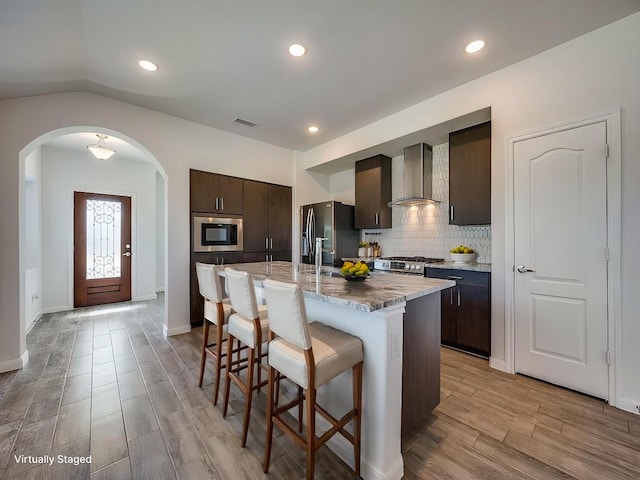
(197, 302)
(466, 310)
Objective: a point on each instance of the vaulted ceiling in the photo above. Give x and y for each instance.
(221, 60)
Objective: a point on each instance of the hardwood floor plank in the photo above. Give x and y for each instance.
(105, 400)
(74, 422)
(139, 417)
(77, 388)
(164, 399)
(35, 440)
(183, 440)
(461, 411)
(121, 470)
(68, 469)
(202, 468)
(103, 374)
(150, 459)
(131, 385)
(108, 441)
(153, 372)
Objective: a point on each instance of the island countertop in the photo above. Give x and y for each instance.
(381, 290)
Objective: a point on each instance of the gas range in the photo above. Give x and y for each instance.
(404, 264)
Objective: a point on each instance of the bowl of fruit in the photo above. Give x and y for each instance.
(355, 272)
(463, 254)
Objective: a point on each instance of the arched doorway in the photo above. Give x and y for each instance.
(26, 260)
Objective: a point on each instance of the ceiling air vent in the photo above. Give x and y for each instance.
(246, 123)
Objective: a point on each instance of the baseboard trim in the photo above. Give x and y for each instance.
(33, 321)
(498, 364)
(15, 364)
(169, 332)
(629, 405)
(61, 308)
(145, 298)
(159, 289)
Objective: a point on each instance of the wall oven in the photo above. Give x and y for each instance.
(217, 234)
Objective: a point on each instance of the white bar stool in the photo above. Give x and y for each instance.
(309, 355)
(216, 311)
(249, 325)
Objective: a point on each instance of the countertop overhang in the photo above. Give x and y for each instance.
(380, 290)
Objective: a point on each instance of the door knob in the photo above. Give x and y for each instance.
(126, 254)
(523, 269)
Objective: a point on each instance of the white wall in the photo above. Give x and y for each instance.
(65, 171)
(589, 75)
(33, 238)
(160, 226)
(175, 145)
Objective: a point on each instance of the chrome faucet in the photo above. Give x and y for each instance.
(319, 241)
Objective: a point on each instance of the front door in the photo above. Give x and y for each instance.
(560, 219)
(102, 249)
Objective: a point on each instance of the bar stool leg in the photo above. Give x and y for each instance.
(310, 395)
(227, 382)
(357, 421)
(218, 362)
(251, 360)
(205, 341)
(270, 392)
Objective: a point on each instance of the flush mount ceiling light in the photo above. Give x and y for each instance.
(313, 129)
(297, 49)
(101, 150)
(474, 46)
(148, 65)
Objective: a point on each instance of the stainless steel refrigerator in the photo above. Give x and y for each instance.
(334, 221)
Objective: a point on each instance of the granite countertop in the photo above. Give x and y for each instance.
(475, 267)
(381, 290)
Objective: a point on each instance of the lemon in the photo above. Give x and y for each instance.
(364, 268)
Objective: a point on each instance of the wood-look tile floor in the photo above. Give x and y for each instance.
(104, 382)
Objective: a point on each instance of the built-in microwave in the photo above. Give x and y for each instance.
(217, 234)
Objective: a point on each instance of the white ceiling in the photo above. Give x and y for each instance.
(220, 59)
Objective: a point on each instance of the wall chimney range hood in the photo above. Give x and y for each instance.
(417, 173)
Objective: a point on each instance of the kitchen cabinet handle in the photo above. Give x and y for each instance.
(458, 297)
(451, 213)
(222, 261)
(266, 258)
(377, 218)
(266, 243)
(454, 277)
(217, 203)
(451, 296)
(271, 243)
(221, 203)
(271, 258)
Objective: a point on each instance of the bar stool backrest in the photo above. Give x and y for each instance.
(287, 313)
(209, 282)
(242, 293)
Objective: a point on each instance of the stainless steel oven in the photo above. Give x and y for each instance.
(217, 234)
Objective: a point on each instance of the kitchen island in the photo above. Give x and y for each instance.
(398, 319)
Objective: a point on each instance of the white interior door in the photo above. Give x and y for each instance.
(560, 208)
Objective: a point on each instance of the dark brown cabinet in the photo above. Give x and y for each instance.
(470, 175)
(267, 222)
(214, 193)
(197, 302)
(373, 192)
(466, 310)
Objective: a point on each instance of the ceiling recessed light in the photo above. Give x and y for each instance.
(297, 49)
(148, 65)
(313, 129)
(474, 46)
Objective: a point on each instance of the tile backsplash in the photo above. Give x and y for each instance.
(424, 229)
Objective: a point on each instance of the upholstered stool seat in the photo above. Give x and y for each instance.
(333, 351)
(217, 311)
(309, 354)
(249, 326)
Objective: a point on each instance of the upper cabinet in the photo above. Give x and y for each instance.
(213, 193)
(267, 221)
(470, 175)
(373, 192)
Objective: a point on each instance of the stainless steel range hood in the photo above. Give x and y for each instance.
(417, 172)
